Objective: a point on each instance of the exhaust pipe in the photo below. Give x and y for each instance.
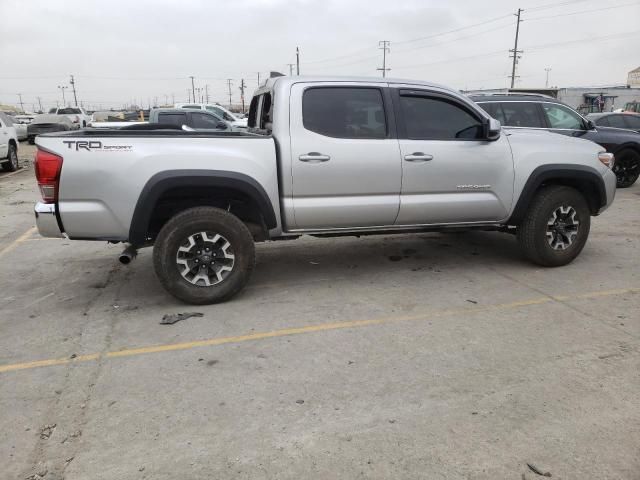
(127, 255)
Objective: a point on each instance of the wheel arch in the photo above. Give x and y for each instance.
(585, 179)
(190, 188)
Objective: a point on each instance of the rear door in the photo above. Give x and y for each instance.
(450, 174)
(345, 157)
(632, 122)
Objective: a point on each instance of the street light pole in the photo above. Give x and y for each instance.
(62, 89)
(546, 83)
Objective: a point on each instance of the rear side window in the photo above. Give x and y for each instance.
(344, 112)
(177, 119)
(202, 120)
(559, 116)
(632, 122)
(430, 118)
(602, 121)
(266, 114)
(253, 111)
(495, 110)
(521, 114)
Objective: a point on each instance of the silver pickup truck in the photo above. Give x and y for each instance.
(322, 156)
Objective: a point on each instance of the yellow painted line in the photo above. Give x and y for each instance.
(18, 241)
(130, 352)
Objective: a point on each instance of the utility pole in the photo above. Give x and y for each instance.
(173, 99)
(384, 46)
(21, 105)
(73, 86)
(242, 87)
(40, 103)
(199, 97)
(62, 89)
(229, 83)
(193, 89)
(258, 78)
(515, 50)
(297, 61)
(206, 89)
(188, 95)
(291, 69)
(166, 99)
(546, 83)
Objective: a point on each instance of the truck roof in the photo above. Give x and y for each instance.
(286, 81)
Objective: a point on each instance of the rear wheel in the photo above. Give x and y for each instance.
(12, 165)
(204, 255)
(556, 226)
(627, 167)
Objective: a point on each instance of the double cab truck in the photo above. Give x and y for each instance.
(324, 157)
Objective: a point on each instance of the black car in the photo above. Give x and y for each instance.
(539, 111)
(630, 121)
(48, 123)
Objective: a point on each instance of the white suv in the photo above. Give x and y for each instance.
(8, 144)
(219, 110)
(76, 114)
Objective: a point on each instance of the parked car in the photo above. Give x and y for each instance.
(77, 115)
(546, 113)
(8, 144)
(219, 110)
(24, 118)
(198, 120)
(21, 128)
(317, 161)
(47, 123)
(628, 121)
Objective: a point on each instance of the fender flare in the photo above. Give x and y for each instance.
(568, 174)
(162, 182)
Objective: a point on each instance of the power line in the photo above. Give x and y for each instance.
(553, 5)
(583, 11)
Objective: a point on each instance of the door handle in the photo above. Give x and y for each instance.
(314, 157)
(418, 157)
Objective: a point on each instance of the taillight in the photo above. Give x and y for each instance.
(47, 167)
(77, 119)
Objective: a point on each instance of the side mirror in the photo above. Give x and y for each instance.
(591, 125)
(493, 129)
(221, 126)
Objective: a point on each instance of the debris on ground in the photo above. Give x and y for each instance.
(537, 471)
(170, 319)
(299, 402)
(473, 301)
(46, 431)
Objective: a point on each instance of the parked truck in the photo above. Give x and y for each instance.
(323, 157)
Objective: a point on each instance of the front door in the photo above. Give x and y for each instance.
(346, 167)
(450, 174)
(4, 139)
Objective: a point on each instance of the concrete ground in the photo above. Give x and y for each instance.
(436, 356)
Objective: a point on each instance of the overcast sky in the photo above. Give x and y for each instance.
(137, 50)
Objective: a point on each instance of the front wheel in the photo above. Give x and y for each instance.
(204, 255)
(12, 165)
(556, 227)
(627, 167)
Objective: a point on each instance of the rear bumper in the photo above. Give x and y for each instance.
(46, 220)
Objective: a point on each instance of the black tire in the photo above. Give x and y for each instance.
(557, 244)
(13, 164)
(626, 167)
(31, 140)
(184, 228)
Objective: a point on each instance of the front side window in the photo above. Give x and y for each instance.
(430, 118)
(344, 112)
(616, 121)
(202, 120)
(560, 116)
(177, 119)
(69, 111)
